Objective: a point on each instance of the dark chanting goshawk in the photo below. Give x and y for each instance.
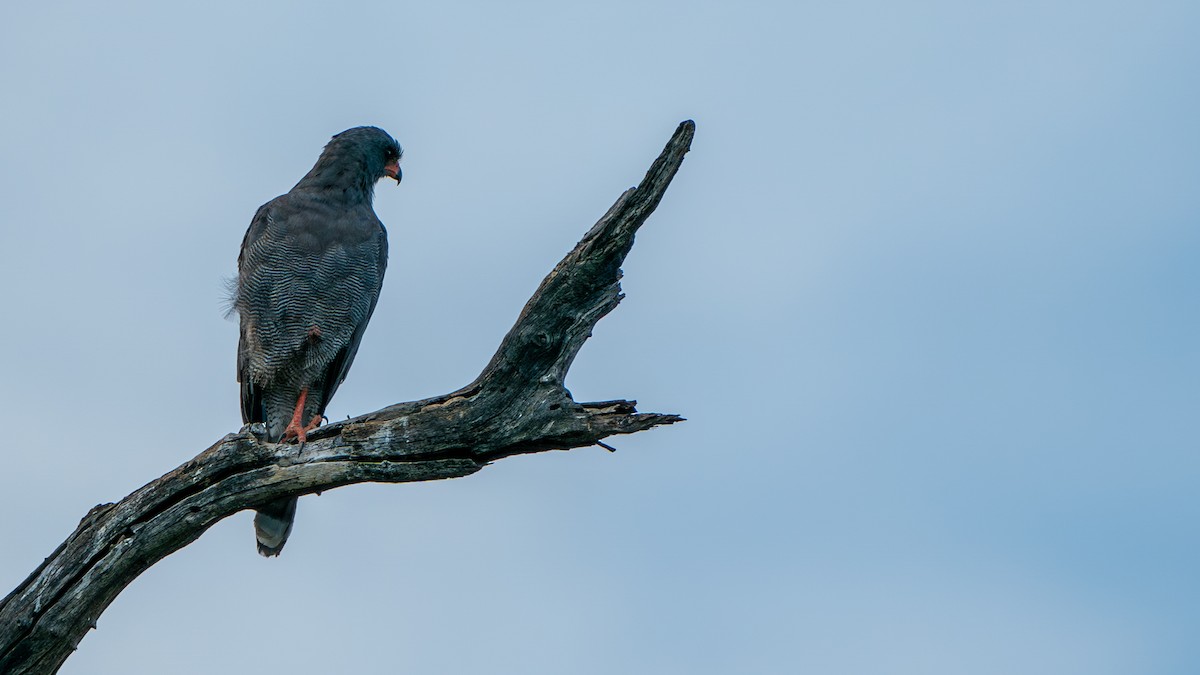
(309, 275)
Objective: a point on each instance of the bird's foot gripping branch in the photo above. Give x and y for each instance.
(517, 405)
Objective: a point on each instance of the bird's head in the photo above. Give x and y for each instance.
(352, 162)
(373, 148)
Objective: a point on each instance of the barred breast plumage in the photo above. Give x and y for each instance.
(309, 275)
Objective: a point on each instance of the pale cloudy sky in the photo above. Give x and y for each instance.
(925, 289)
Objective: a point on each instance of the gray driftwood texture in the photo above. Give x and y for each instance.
(517, 405)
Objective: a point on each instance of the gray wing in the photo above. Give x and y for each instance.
(340, 366)
(251, 394)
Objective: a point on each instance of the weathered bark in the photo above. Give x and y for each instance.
(517, 405)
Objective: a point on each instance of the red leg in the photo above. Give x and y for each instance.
(295, 429)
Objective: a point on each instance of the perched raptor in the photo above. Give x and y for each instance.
(309, 274)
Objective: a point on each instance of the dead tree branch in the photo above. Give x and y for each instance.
(517, 405)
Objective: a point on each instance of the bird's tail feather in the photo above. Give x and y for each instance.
(273, 524)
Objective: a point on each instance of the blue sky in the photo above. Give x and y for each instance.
(925, 290)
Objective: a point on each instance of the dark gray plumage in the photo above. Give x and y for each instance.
(309, 275)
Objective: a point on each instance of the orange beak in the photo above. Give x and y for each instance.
(393, 171)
